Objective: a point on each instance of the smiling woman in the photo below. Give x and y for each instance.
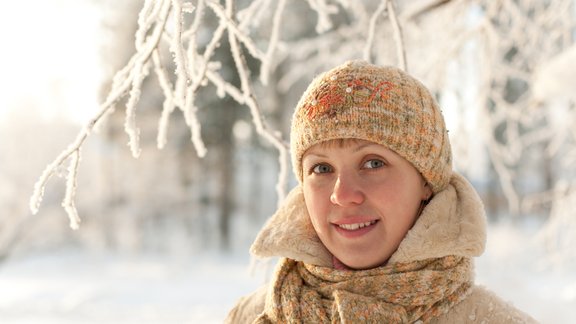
(50, 64)
(380, 228)
(362, 199)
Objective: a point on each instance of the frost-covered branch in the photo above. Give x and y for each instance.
(400, 52)
(273, 43)
(161, 23)
(508, 39)
(127, 81)
(250, 100)
(71, 182)
(372, 29)
(233, 28)
(518, 34)
(324, 11)
(419, 8)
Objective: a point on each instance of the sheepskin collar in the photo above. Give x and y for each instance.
(453, 223)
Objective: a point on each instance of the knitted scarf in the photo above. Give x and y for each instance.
(395, 293)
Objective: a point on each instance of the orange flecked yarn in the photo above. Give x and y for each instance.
(378, 104)
(396, 293)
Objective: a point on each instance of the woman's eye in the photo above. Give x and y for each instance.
(374, 164)
(321, 168)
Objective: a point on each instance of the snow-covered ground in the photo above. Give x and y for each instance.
(74, 287)
(517, 267)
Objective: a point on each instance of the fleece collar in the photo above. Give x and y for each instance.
(453, 223)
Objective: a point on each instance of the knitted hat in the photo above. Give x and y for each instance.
(383, 105)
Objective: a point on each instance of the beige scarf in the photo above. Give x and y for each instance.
(395, 293)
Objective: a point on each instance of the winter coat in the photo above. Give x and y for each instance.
(453, 223)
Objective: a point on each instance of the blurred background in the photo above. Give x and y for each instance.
(164, 238)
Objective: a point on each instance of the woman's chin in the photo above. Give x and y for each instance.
(364, 264)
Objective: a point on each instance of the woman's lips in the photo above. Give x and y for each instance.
(356, 229)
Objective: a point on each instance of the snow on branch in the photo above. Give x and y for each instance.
(273, 43)
(71, 181)
(400, 52)
(324, 11)
(192, 70)
(518, 35)
(174, 25)
(515, 99)
(371, 30)
(126, 81)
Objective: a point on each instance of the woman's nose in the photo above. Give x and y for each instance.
(347, 191)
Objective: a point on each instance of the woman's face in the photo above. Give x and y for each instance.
(362, 199)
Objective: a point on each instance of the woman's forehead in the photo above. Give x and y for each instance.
(341, 143)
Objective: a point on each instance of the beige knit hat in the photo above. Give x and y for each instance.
(378, 104)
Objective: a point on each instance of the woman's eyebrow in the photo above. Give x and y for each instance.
(320, 155)
(363, 146)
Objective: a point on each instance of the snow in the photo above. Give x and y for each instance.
(517, 268)
(75, 287)
(70, 286)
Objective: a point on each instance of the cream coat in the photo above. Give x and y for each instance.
(453, 223)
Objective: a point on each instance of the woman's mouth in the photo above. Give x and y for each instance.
(354, 230)
(356, 226)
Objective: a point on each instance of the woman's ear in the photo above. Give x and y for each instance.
(426, 191)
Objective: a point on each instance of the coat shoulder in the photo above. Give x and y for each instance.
(248, 307)
(484, 306)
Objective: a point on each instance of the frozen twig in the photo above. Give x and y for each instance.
(273, 43)
(419, 8)
(233, 28)
(398, 38)
(504, 51)
(146, 19)
(371, 29)
(168, 105)
(126, 78)
(140, 72)
(252, 15)
(71, 182)
(191, 117)
(260, 125)
(324, 11)
(176, 46)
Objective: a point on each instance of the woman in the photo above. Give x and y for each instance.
(380, 228)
